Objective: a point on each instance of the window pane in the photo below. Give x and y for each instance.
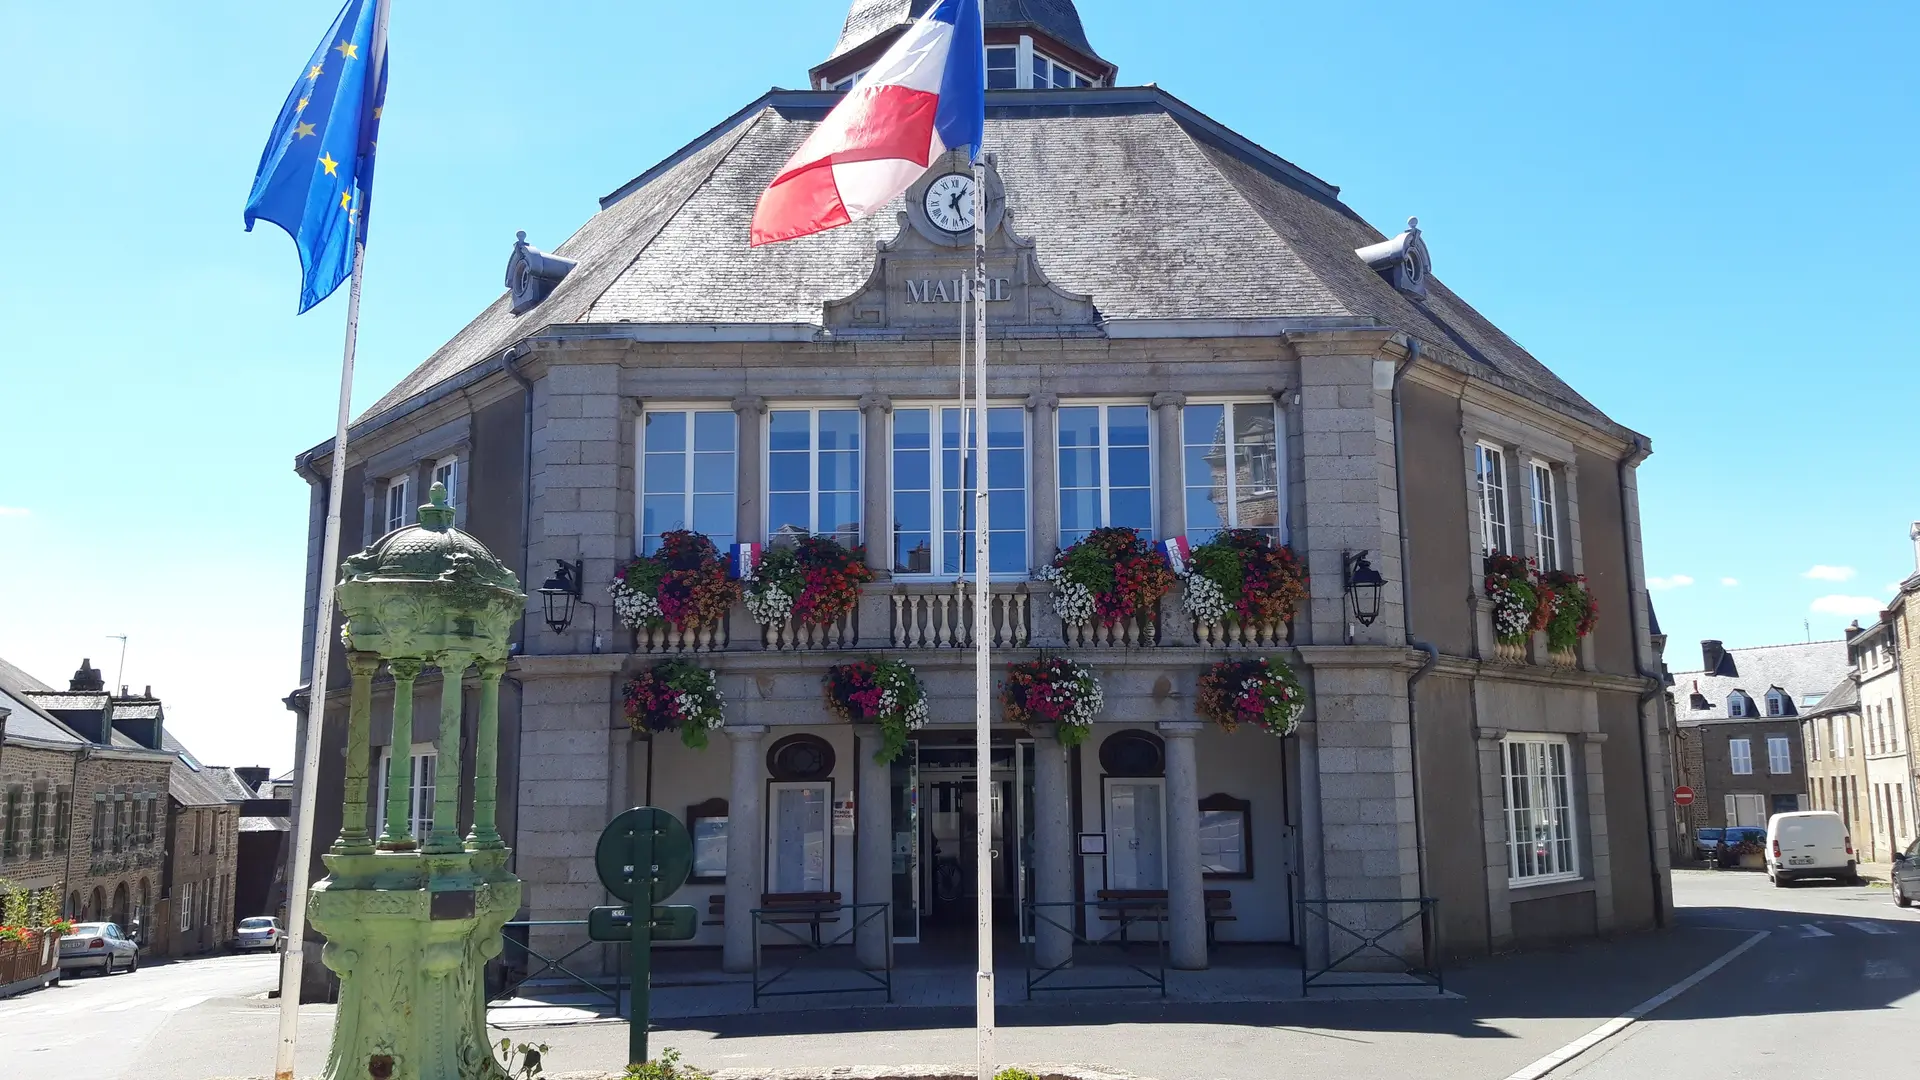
(1079, 512)
(1006, 552)
(1007, 511)
(913, 553)
(788, 430)
(839, 471)
(713, 473)
(1132, 508)
(1079, 468)
(786, 472)
(714, 515)
(1129, 468)
(1203, 515)
(665, 473)
(1205, 425)
(660, 513)
(839, 429)
(666, 431)
(1042, 73)
(1006, 427)
(911, 471)
(799, 840)
(1007, 469)
(713, 431)
(1127, 425)
(788, 513)
(1080, 426)
(913, 511)
(911, 429)
(839, 513)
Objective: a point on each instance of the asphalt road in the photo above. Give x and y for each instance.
(1832, 991)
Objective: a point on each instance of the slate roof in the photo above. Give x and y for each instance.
(1797, 669)
(28, 720)
(73, 699)
(1059, 19)
(266, 824)
(1132, 196)
(194, 788)
(1844, 697)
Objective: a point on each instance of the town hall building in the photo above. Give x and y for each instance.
(1186, 333)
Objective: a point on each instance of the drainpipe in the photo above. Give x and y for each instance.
(1406, 618)
(1653, 690)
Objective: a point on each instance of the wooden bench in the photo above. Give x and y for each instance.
(1125, 906)
(815, 909)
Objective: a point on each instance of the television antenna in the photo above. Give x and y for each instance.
(120, 675)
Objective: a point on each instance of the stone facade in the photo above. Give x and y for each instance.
(1727, 775)
(36, 796)
(119, 839)
(196, 916)
(1836, 758)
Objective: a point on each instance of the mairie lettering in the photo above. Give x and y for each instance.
(950, 290)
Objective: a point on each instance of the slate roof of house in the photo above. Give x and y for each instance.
(194, 788)
(1132, 196)
(73, 699)
(1844, 697)
(1059, 19)
(1797, 669)
(266, 824)
(28, 720)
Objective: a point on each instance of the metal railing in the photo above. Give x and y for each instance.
(1123, 915)
(1365, 940)
(511, 984)
(815, 951)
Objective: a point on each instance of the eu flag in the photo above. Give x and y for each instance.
(316, 174)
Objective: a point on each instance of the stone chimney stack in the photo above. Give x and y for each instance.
(87, 679)
(1712, 655)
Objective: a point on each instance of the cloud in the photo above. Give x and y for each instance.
(14, 511)
(1730, 582)
(1857, 606)
(1830, 573)
(1677, 581)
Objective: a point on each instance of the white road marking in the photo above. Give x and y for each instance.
(1608, 1030)
(1870, 928)
(1812, 930)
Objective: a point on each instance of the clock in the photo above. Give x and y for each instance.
(949, 203)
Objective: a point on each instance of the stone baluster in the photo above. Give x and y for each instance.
(354, 838)
(445, 836)
(486, 759)
(397, 836)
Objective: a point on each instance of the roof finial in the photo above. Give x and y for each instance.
(1413, 224)
(520, 237)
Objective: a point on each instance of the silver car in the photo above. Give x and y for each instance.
(99, 945)
(258, 932)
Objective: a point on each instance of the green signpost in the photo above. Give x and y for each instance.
(643, 857)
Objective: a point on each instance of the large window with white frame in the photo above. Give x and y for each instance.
(933, 530)
(1105, 469)
(446, 472)
(799, 859)
(1546, 515)
(425, 757)
(1230, 458)
(813, 474)
(1003, 67)
(1051, 74)
(1740, 756)
(1779, 755)
(398, 511)
(688, 473)
(1490, 487)
(1537, 786)
(1136, 833)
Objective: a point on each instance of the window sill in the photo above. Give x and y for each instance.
(1539, 888)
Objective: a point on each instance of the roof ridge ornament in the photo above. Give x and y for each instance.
(533, 274)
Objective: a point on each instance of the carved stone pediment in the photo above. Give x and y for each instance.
(921, 274)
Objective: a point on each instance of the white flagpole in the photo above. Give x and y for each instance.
(292, 960)
(982, 643)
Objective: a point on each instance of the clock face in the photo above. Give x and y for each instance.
(949, 202)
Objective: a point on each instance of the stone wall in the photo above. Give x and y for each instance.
(26, 772)
(196, 915)
(108, 781)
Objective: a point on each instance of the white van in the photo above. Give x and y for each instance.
(1810, 843)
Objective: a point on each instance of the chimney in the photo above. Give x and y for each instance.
(252, 775)
(87, 679)
(1712, 655)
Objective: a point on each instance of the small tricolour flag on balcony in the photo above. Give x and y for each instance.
(742, 561)
(1177, 552)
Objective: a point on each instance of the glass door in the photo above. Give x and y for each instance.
(1136, 833)
(906, 844)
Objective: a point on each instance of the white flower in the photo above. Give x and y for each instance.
(635, 609)
(1204, 599)
(769, 606)
(1073, 602)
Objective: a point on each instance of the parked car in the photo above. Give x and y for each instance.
(99, 945)
(1810, 843)
(1706, 843)
(258, 932)
(1738, 840)
(1906, 876)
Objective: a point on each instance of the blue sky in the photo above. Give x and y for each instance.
(1700, 219)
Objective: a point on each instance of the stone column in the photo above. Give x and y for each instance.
(396, 836)
(746, 855)
(748, 411)
(486, 759)
(1053, 847)
(1044, 523)
(873, 852)
(1186, 898)
(1172, 518)
(354, 839)
(446, 797)
(875, 616)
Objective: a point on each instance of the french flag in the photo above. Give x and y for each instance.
(1179, 554)
(926, 96)
(742, 561)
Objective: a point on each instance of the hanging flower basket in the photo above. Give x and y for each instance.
(1518, 604)
(676, 696)
(1243, 576)
(887, 693)
(1572, 611)
(1263, 692)
(815, 583)
(683, 585)
(1110, 576)
(1054, 690)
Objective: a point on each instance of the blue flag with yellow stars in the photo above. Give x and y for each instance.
(316, 175)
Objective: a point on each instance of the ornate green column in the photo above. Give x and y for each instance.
(410, 927)
(486, 759)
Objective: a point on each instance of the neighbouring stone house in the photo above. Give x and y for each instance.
(39, 760)
(1885, 741)
(204, 808)
(1162, 287)
(1738, 723)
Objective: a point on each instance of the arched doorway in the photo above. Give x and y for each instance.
(74, 910)
(122, 906)
(96, 905)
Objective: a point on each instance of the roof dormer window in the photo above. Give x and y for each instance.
(1003, 67)
(1051, 74)
(1776, 703)
(847, 83)
(1739, 704)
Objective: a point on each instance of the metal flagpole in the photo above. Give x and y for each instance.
(982, 643)
(293, 958)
